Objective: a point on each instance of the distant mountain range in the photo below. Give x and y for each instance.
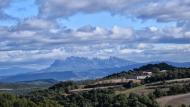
(177, 64)
(80, 64)
(39, 82)
(78, 68)
(27, 85)
(14, 71)
(66, 75)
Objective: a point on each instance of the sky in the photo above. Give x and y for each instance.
(34, 33)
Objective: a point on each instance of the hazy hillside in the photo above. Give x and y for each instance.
(43, 83)
(82, 70)
(14, 71)
(67, 75)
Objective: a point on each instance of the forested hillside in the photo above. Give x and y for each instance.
(58, 96)
(110, 91)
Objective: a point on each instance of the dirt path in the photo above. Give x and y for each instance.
(175, 100)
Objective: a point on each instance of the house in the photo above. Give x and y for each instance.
(144, 75)
(141, 77)
(163, 71)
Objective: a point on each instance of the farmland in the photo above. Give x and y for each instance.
(175, 101)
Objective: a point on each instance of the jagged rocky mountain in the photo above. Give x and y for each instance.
(75, 68)
(80, 64)
(78, 68)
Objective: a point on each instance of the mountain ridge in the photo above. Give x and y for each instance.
(80, 64)
(80, 68)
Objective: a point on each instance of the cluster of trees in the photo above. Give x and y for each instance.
(173, 90)
(64, 87)
(154, 68)
(178, 89)
(58, 95)
(131, 84)
(100, 98)
(123, 74)
(8, 100)
(176, 73)
(127, 85)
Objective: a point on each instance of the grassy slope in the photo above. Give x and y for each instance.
(138, 89)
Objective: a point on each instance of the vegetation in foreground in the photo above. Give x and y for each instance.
(61, 94)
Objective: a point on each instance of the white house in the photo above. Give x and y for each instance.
(144, 75)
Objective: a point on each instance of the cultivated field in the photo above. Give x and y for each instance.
(175, 101)
(148, 88)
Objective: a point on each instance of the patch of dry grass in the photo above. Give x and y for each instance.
(175, 100)
(139, 90)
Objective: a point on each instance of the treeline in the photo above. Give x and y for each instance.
(173, 90)
(64, 87)
(126, 85)
(8, 100)
(94, 98)
(58, 96)
(154, 68)
(176, 73)
(123, 74)
(99, 98)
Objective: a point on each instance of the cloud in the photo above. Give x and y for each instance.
(119, 32)
(47, 35)
(157, 51)
(21, 55)
(170, 10)
(50, 8)
(3, 4)
(36, 24)
(161, 10)
(41, 37)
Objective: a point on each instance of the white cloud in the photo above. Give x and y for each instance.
(130, 51)
(162, 10)
(144, 46)
(41, 38)
(153, 29)
(122, 33)
(23, 34)
(51, 8)
(21, 55)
